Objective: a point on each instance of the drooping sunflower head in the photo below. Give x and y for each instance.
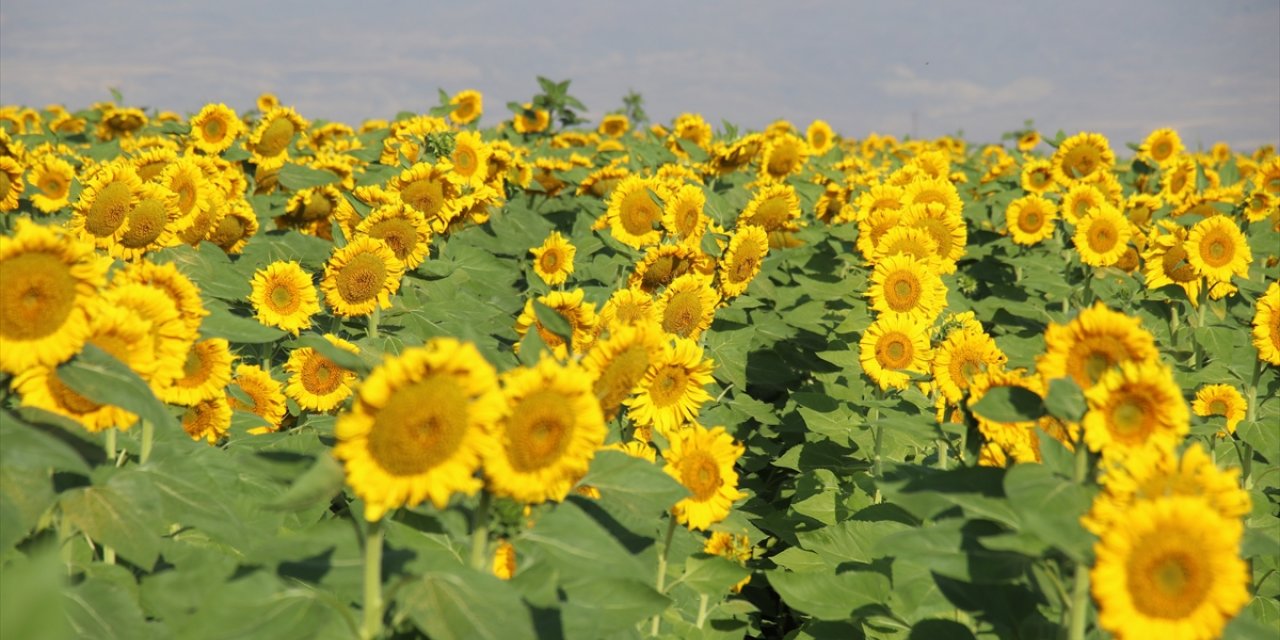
(284, 297)
(747, 250)
(49, 280)
(403, 229)
(1218, 249)
(215, 128)
(276, 133)
(120, 122)
(618, 364)
(892, 347)
(687, 307)
(1081, 156)
(662, 264)
(361, 277)
(531, 120)
(468, 106)
(553, 261)
(634, 211)
(775, 207)
(420, 426)
(703, 460)
(1102, 236)
(1093, 343)
(1133, 406)
(1030, 219)
(317, 383)
(548, 435)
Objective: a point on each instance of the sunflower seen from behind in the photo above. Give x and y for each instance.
(316, 382)
(548, 434)
(420, 426)
(703, 461)
(283, 296)
(553, 260)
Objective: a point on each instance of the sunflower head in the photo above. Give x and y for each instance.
(703, 460)
(284, 297)
(1030, 219)
(317, 383)
(215, 128)
(747, 250)
(1218, 249)
(634, 211)
(468, 106)
(892, 347)
(553, 261)
(361, 277)
(1134, 406)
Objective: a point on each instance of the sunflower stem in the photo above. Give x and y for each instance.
(702, 610)
(148, 437)
(879, 436)
(480, 532)
(373, 322)
(372, 582)
(661, 581)
(1079, 604)
(110, 444)
(108, 554)
(942, 454)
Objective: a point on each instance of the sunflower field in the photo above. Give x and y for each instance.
(267, 377)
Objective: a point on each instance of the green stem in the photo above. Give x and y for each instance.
(480, 533)
(1079, 604)
(148, 437)
(942, 454)
(111, 444)
(1198, 354)
(702, 610)
(372, 582)
(662, 569)
(876, 467)
(1082, 461)
(373, 322)
(108, 554)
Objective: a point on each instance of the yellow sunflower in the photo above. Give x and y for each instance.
(903, 285)
(687, 307)
(614, 125)
(215, 128)
(1037, 176)
(1028, 140)
(783, 155)
(265, 394)
(627, 307)
(1171, 570)
(1266, 325)
(205, 373)
(948, 232)
(267, 101)
(683, 218)
(820, 137)
(571, 306)
(548, 435)
(1141, 208)
(170, 338)
(235, 227)
(49, 280)
(1092, 343)
(104, 205)
(618, 363)
(662, 264)
(531, 120)
(361, 277)
(773, 208)
(468, 106)
(1080, 200)
(504, 560)
(673, 389)
(965, 353)
(741, 263)
(275, 133)
(1102, 236)
(892, 347)
(1082, 156)
(284, 297)
(403, 229)
(873, 228)
(207, 420)
(150, 225)
(1218, 249)
(1161, 145)
(634, 211)
(731, 547)
(1030, 219)
(910, 241)
(553, 261)
(601, 183)
(1133, 406)
(1016, 440)
(185, 178)
(315, 382)
(469, 160)
(702, 460)
(879, 197)
(1165, 261)
(420, 426)
(52, 177)
(1220, 400)
(180, 289)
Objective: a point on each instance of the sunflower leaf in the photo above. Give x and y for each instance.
(1065, 400)
(464, 603)
(1010, 404)
(100, 377)
(296, 177)
(552, 321)
(320, 483)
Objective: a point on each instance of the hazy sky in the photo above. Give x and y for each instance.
(1209, 69)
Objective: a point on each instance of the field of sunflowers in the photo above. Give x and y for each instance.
(267, 377)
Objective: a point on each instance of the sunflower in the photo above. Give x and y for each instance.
(215, 128)
(469, 160)
(275, 133)
(1082, 156)
(1140, 209)
(1171, 570)
(580, 315)
(673, 389)
(909, 241)
(1267, 177)
(1102, 236)
(361, 277)
(265, 394)
(468, 106)
(284, 297)
(315, 382)
(879, 197)
(633, 211)
(185, 178)
(1134, 405)
(614, 125)
(404, 230)
(965, 353)
(747, 250)
(874, 227)
(1178, 180)
(1030, 219)
(783, 156)
(208, 420)
(548, 435)
(1161, 145)
(1028, 140)
(420, 426)
(903, 285)
(120, 122)
(105, 203)
(1166, 262)
(702, 460)
(1266, 325)
(662, 264)
(687, 307)
(11, 183)
(170, 340)
(833, 205)
(683, 218)
(1092, 343)
(1037, 177)
(1218, 249)
(149, 225)
(627, 307)
(933, 191)
(52, 177)
(892, 347)
(180, 289)
(774, 207)
(601, 182)
(820, 137)
(618, 364)
(205, 373)
(1220, 400)
(50, 278)
(267, 101)
(530, 120)
(553, 261)
(948, 232)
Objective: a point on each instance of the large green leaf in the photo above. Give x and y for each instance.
(830, 596)
(120, 514)
(711, 575)
(99, 609)
(100, 377)
(1010, 404)
(579, 548)
(637, 486)
(603, 607)
(1050, 507)
(296, 177)
(463, 604)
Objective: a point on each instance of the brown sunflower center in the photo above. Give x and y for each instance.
(146, 223)
(550, 261)
(902, 291)
(1129, 418)
(464, 159)
(421, 426)
(638, 212)
(1081, 162)
(1039, 178)
(276, 137)
(194, 369)
(320, 375)
(38, 292)
(700, 474)
(1177, 267)
(214, 130)
(1030, 221)
(895, 351)
(783, 160)
(620, 376)
(68, 399)
(1161, 150)
(317, 207)
(230, 230)
(283, 298)
(744, 266)
(540, 430)
(683, 313)
(1217, 249)
(1218, 407)
(1102, 236)
(668, 385)
(51, 185)
(399, 234)
(1166, 581)
(186, 190)
(771, 214)
(362, 278)
(109, 209)
(425, 195)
